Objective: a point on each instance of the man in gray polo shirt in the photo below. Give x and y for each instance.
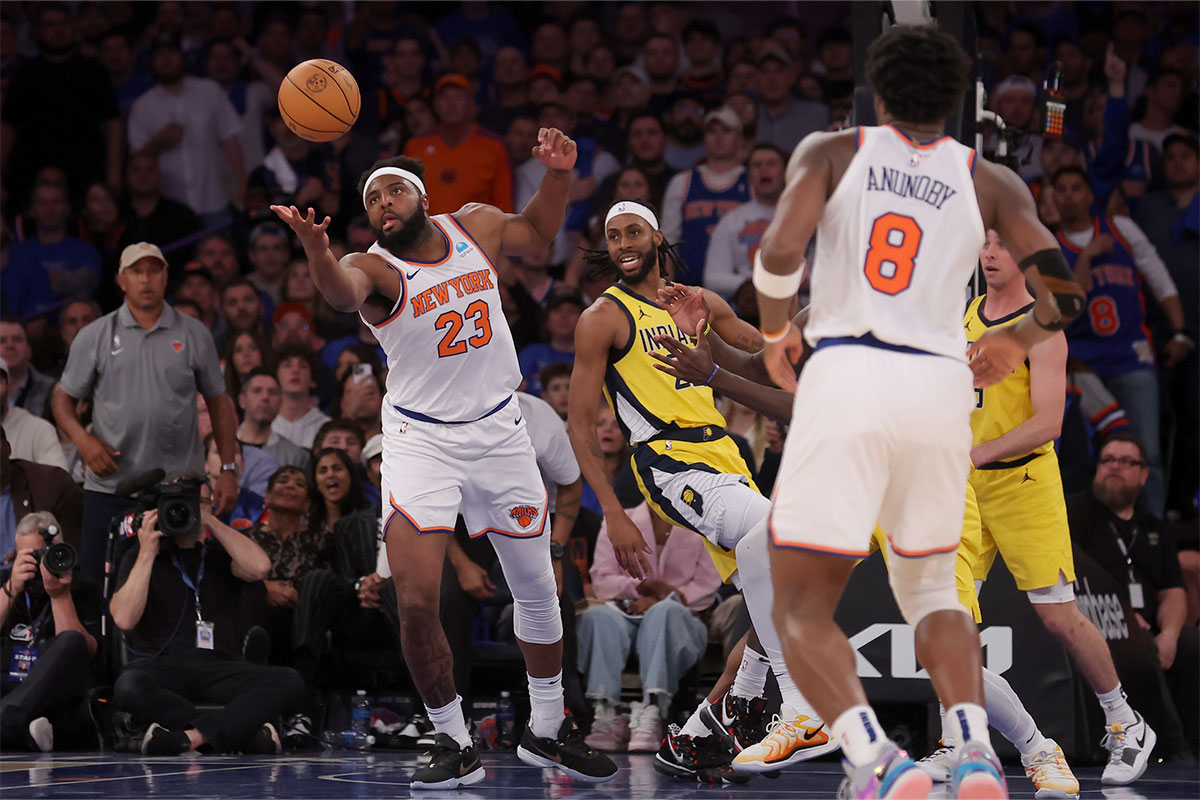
(142, 365)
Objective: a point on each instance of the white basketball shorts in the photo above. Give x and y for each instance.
(876, 436)
(485, 468)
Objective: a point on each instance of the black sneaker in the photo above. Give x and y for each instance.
(738, 721)
(264, 742)
(449, 767)
(703, 759)
(297, 732)
(159, 741)
(567, 753)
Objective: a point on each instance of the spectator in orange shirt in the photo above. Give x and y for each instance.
(463, 162)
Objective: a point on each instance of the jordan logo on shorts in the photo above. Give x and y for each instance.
(693, 500)
(524, 515)
(1027, 478)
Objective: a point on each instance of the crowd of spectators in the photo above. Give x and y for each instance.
(142, 147)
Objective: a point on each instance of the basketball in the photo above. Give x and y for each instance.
(319, 100)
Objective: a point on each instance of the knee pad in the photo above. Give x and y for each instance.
(752, 557)
(923, 585)
(1063, 591)
(538, 621)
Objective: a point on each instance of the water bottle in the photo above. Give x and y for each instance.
(360, 713)
(505, 720)
(347, 740)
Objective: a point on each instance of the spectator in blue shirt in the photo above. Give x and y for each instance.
(51, 266)
(562, 315)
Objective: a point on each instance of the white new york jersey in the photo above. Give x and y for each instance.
(450, 353)
(897, 244)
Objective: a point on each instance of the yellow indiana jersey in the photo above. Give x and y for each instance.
(1004, 406)
(645, 400)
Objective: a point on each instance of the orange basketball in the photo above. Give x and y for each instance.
(319, 100)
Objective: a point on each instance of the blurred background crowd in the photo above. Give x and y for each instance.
(156, 122)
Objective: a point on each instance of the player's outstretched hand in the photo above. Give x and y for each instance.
(555, 149)
(994, 356)
(311, 235)
(689, 364)
(780, 358)
(686, 305)
(628, 545)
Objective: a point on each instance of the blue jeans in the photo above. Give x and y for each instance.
(670, 639)
(1137, 392)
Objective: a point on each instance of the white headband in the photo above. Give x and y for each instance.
(635, 208)
(399, 173)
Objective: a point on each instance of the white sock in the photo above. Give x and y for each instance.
(947, 732)
(792, 697)
(695, 727)
(969, 722)
(1008, 715)
(1116, 707)
(751, 678)
(859, 734)
(546, 706)
(449, 720)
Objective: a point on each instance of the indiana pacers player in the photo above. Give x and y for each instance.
(686, 465)
(1018, 494)
(454, 437)
(882, 407)
(743, 378)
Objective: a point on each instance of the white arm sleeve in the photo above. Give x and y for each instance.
(672, 210)
(1153, 270)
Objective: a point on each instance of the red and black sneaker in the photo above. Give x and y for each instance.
(738, 721)
(695, 759)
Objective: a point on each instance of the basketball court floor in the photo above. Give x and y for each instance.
(385, 774)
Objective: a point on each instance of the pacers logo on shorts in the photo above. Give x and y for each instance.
(524, 515)
(693, 500)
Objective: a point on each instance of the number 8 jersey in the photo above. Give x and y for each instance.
(897, 244)
(449, 350)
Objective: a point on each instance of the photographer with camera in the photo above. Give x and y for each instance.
(45, 642)
(178, 603)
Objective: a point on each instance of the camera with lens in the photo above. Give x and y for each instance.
(178, 505)
(59, 557)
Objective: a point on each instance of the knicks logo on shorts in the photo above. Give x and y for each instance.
(524, 515)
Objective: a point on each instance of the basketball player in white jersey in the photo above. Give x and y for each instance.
(454, 437)
(882, 410)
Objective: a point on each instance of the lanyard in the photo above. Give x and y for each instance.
(1125, 550)
(34, 624)
(187, 579)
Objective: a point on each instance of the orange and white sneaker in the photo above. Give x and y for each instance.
(1050, 774)
(791, 738)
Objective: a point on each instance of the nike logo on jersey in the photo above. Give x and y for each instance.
(462, 285)
(411, 275)
(518, 422)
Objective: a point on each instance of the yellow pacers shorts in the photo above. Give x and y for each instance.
(705, 486)
(1022, 515)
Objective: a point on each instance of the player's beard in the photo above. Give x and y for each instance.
(406, 235)
(649, 264)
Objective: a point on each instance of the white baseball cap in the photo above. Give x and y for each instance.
(136, 252)
(373, 448)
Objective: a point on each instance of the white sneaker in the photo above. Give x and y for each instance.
(938, 764)
(610, 732)
(1128, 751)
(1050, 774)
(42, 733)
(645, 728)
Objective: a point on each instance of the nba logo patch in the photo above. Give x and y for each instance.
(177, 346)
(915, 161)
(524, 515)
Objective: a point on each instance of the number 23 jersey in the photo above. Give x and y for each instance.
(449, 350)
(897, 244)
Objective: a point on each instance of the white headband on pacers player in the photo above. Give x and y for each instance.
(635, 208)
(399, 173)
